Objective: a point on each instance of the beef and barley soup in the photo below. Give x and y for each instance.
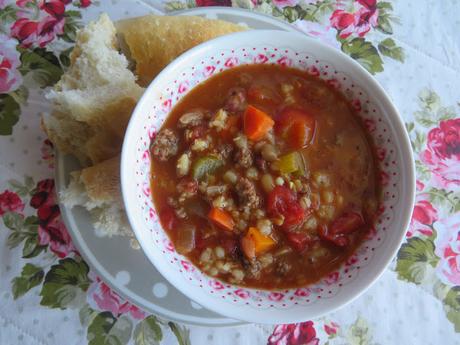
(264, 177)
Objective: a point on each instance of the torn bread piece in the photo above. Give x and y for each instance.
(94, 99)
(97, 188)
(152, 42)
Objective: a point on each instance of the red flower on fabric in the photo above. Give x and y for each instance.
(358, 23)
(423, 217)
(370, 4)
(108, 300)
(447, 245)
(51, 229)
(10, 78)
(10, 202)
(56, 8)
(294, 334)
(203, 3)
(419, 185)
(332, 328)
(25, 31)
(30, 32)
(442, 155)
(85, 3)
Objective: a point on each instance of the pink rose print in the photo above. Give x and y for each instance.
(209, 70)
(284, 61)
(10, 202)
(32, 28)
(294, 334)
(108, 300)
(202, 3)
(215, 284)
(241, 293)
(442, 155)
(56, 8)
(260, 58)
(358, 23)
(302, 292)
(370, 4)
(419, 185)
(448, 249)
(285, 3)
(324, 33)
(423, 217)
(51, 229)
(10, 78)
(85, 3)
(370, 125)
(384, 178)
(275, 296)
(356, 104)
(332, 278)
(332, 328)
(30, 32)
(47, 151)
(3, 4)
(381, 153)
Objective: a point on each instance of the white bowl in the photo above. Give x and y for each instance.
(382, 121)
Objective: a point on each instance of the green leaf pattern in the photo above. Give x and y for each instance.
(417, 260)
(105, 329)
(30, 277)
(148, 332)
(365, 53)
(65, 284)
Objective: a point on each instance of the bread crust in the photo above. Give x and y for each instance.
(154, 41)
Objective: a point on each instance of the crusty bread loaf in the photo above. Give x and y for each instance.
(94, 99)
(97, 188)
(154, 41)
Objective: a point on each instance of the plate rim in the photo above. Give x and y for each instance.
(80, 243)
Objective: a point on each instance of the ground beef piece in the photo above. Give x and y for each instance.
(261, 163)
(282, 268)
(247, 195)
(236, 100)
(165, 145)
(243, 157)
(188, 186)
(252, 268)
(190, 134)
(224, 151)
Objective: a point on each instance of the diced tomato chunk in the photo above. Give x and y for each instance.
(298, 240)
(283, 201)
(297, 127)
(347, 223)
(341, 227)
(168, 218)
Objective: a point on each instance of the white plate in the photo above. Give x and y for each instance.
(128, 271)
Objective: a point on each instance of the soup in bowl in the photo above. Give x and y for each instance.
(269, 181)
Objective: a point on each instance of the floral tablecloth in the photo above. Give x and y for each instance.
(49, 295)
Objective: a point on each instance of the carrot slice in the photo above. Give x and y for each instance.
(221, 218)
(297, 127)
(262, 243)
(256, 123)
